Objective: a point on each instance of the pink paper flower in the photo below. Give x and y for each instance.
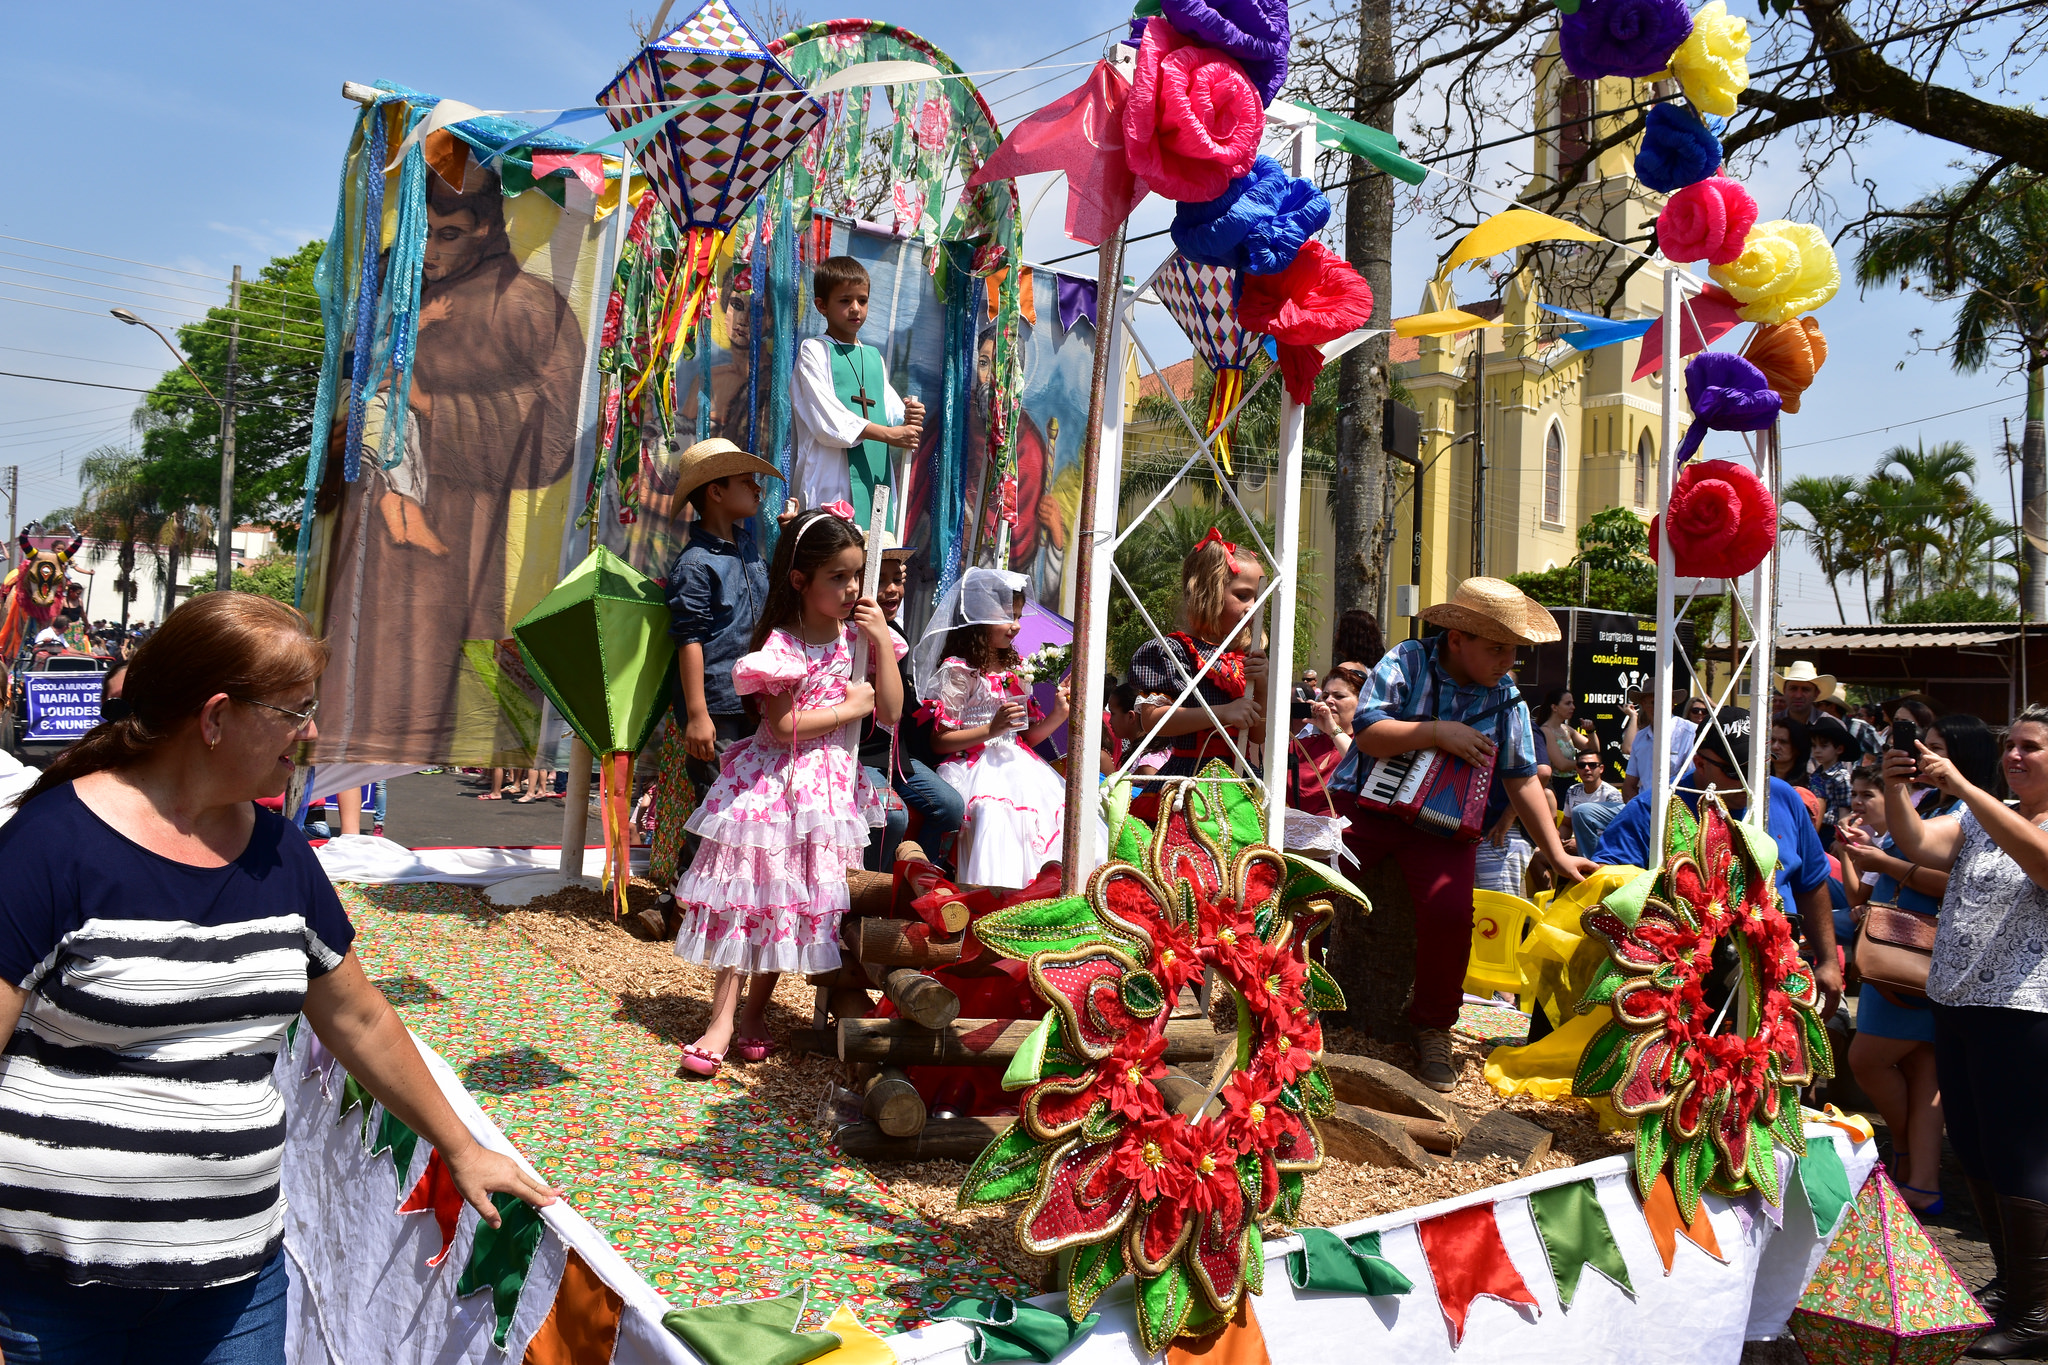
(1708, 221)
(841, 509)
(1193, 120)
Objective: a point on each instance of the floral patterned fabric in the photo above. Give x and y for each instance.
(1016, 804)
(1992, 944)
(781, 827)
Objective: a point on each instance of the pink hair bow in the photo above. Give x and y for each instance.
(841, 509)
(1215, 537)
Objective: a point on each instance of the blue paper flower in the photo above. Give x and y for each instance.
(1622, 37)
(1257, 225)
(1677, 150)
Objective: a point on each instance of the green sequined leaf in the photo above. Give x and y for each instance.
(1027, 1064)
(1602, 1064)
(1790, 1125)
(1681, 831)
(1007, 1169)
(1142, 994)
(1317, 1098)
(1763, 1162)
(1601, 989)
(1308, 880)
(1287, 1208)
(1059, 925)
(1255, 1261)
(1820, 1053)
(1096, 1267)
(1653, 1144)
(1163, 1304)
(1323, 991)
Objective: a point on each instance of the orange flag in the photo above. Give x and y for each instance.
(1237, 1342)
(583, 1323)
(1660, 1210)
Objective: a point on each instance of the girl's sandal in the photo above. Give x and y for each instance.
(754, 1049)
(1929, 1210)
(698, 1062)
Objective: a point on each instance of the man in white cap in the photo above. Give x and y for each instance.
(1453, 693)
(1803, 686)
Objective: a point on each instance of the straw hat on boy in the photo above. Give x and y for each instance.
(1495, 610)
(716, 458)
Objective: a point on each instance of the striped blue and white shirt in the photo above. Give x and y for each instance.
(1411, 683)
(140, 1130)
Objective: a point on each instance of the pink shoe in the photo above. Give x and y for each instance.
(754, 1049)
(698, 1062)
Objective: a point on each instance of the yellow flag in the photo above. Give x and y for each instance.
(1509, 229)
(1441, 323)
(857, 1345)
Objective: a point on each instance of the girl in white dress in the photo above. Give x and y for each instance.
(983, 722)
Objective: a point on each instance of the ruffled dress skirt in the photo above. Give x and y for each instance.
(767, 889)
(1016, 813)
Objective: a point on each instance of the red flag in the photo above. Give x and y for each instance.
(1081, 133)
(1467, 1259)
(1715, 310)
(436, 1194)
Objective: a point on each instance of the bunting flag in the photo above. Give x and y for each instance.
(394, 1137)
(582, 1324)
(1660, 1211)
(1329, 1264)
(757, 1332)
(1381, 149)
(1010, 1329)
(1575, 1234)
(355, 1096)
(857, 1345)
(1468, 1260)
(1597, 331)
(1442, 323)
(436, 1194)
(1239, 1341)
(1826, 1182)
(1511, 228)
(1081, 133)
(1711, 316)
(500, 1257)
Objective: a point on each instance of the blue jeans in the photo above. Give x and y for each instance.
(881, 855)
(44, 1321)
(925, 792)
(1587, 823)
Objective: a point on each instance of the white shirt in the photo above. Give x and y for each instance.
(1681, 744)
(1603, 795)
(823, 427)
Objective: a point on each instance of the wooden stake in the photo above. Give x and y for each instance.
(920, 999)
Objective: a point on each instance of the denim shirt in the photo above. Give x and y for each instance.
(1411, 683)
(715, 594)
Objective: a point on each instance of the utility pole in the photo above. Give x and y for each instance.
(224, 556)
(1479, 453)
(13, 492)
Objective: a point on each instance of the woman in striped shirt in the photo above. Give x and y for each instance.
(158, 934)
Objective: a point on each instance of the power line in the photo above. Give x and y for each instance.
(88, 359)
(1911, 421)
(183, 326)
(61, 416)
(144, 293)
(147, 265)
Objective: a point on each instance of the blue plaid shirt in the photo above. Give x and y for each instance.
(1411, 683)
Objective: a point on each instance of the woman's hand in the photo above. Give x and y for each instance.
(480, 1173)
(1850, 830)
(1900, 767)
(1935, 771)
(860, 700)
(1323, 716)
(867, 614)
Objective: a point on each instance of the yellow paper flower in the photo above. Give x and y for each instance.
(1785, 269)
(1712, 65)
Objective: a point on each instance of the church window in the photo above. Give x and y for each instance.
(1575, 137)
(1646, 454)
(1553, 475)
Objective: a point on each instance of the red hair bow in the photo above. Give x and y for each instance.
(1215, 537)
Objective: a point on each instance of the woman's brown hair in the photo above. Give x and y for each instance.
(240, 643)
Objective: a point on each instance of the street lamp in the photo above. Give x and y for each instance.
(223, 555)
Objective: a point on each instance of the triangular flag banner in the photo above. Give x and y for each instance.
(1238, 1342)
(436, 1194)
(1009, 1329)
(1468, 1260)
(583, 1323)
(1442, 323)
(1331, 1264)
(500, 1257)
(1511, 228)
(857, 1345)
(1081, 133)
(1575, 1234)
(1706, 319)
(1381, 149)
(355, 1096)
(757, 1332)
(394, 1137)
(1660, 1211)
(1826, 1182)
(1883, 1292)
(1598, 331)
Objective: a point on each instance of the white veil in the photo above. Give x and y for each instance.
(981, 597)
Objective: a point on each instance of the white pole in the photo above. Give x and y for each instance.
(1763, 618)
(1286, 549)
(1667, 628)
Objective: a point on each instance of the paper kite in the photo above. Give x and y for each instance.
(1200, 298)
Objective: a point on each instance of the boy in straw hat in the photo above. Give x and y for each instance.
(715, 592)
(1420, 697)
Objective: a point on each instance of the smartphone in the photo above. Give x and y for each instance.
(1905, 734)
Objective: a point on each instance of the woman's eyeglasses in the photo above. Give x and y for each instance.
(303, 718)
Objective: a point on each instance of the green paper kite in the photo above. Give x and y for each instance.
(500, 1257)
(598, 645)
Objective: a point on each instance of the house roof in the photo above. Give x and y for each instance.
(1179, 377)
(1934, 635)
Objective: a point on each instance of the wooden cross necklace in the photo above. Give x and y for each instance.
(860, 375)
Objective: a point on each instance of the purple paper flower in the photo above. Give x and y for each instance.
(1622, 37)
(1677, 150)
(1257, 225)
(1727, 393)
(1255, 32)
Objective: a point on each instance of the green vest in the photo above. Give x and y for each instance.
(857, 375)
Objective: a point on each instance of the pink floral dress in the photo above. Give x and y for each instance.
(780, 827)
(1016, 803)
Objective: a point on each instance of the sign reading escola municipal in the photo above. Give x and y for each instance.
(61, 708)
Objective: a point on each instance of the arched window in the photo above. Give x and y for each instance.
(1575, 137)
(1646, 455)
(1553, 475)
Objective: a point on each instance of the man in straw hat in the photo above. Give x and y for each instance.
(1803, 686)
(1422, 696)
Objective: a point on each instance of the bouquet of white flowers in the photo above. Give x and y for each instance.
(1049, 664)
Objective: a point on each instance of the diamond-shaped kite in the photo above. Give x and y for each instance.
(1203, 300)
(598, 645)
(1883, 1292)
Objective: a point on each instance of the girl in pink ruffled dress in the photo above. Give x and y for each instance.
(791, 810)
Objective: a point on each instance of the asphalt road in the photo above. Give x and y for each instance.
(441, 810)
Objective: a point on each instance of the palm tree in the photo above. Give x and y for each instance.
(1827, 501)
(1978, 539)
(1988, 258)
(1937, 491)
(117, 506)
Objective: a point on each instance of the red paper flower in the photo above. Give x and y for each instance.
(1707, 221)
(1193, 121)
(1723, 521)
(1317, 299)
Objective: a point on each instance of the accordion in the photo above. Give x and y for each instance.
(1431, 790)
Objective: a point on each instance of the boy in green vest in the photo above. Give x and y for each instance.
(842, 452)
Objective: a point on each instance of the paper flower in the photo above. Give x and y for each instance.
(1707, 221)
(1317, 299)
(1193, 121)
(1255, 32)
(1785, 269)
(1677, 149)
(1257, 225)
(1727, 393)
(1723, 521)
(1621, 37)
(1712, 65)
(1789, 354)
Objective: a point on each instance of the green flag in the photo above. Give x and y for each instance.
(1826, 1182)
(1333, 1265)
(1381, 149)
(1575, 1234)
(500, 1257)
(355, 1096)
(394, 1137)
(757, 1332)
(1008, 1329)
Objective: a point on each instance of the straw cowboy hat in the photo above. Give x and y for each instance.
(1496, 611)
(891, 550)
(716, 458)
(1803, 671)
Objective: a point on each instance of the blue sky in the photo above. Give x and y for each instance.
(201, 136)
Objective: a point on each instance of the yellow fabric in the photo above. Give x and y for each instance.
(1712, 64)
(1855, 1125)
(1785, 269)
(1441, 323)
(1557, 961)
(1544, 1068)
(1509, 229)
(1498, 920)
(857, 1345)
